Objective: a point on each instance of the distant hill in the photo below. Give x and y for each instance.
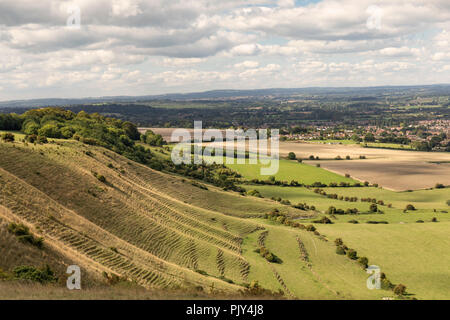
(234, 94)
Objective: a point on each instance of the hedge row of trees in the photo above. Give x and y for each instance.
(342, 249)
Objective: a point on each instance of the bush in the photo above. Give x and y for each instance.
(41, 139)
(364, 262)
(439, 186)
(373, 208)
(434, 219)
(324, 220)
(338, 242)
(23, 234)
(400, 289)
(310, 228)
(448, 202)
(43, 275)
(292, 156)
(340, 250)
(410, 207)
(353, 221)
(420, 221)
(254, 193)
(8, 137)
(352, 254)
(31, 138)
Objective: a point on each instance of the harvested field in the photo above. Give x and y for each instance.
(392, 174)
(397, 170)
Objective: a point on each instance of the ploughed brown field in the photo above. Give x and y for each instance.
(392, 169)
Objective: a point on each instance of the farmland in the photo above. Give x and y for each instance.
(291, 170)
(165, 232)
(125, 222)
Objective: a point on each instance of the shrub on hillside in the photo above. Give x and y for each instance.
(352, 254)
(43, 275)
(7, 137)
(31, 138)
(292, 156)
(439, 186)
(340, 250)
(400, 289)
(338, 242)
(324, 220)
(410, 207)
(311, 228)
(41, 140)
(99, 177)
(363, 261)
(448, 202)
(254, 193)
(373, 208)
(24, 235)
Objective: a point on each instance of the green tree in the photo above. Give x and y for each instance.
(369, 137)
(50, 131)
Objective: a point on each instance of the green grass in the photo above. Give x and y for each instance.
(415, 255)
(164, 226)
(291, 170)
(421, 199)
(328, 276)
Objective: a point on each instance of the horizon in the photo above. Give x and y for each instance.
(163, 94)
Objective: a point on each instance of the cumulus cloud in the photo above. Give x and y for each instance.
(133, 46)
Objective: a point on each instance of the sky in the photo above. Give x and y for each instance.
(85, 48)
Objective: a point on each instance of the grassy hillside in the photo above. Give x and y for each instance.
(410, 253)
(160, 230)
(108, 199)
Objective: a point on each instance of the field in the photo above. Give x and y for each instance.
(291, 170)
(160, 232)
(151, 228)
(393, 169)
(407, 251)
(414, 254)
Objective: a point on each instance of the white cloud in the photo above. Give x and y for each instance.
(247, 64)
(141, 47)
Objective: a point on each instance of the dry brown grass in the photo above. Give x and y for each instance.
(161, 227)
